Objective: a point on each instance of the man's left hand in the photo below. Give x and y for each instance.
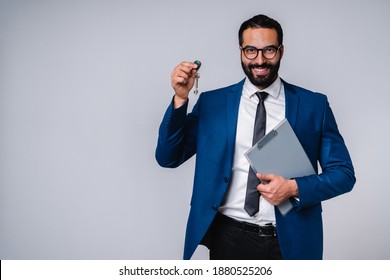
(278, 189)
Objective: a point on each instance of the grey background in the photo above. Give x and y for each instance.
(84, 85)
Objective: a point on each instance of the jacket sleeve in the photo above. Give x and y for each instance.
(337, 176)
(177, 137)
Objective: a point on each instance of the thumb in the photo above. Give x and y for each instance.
(265, 177)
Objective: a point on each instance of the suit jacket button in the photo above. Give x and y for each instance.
(226, 179)
(214, 207)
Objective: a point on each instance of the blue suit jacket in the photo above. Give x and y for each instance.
(209, 131)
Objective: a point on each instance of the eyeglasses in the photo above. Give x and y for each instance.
(268, 52)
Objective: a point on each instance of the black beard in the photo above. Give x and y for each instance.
(264, 81)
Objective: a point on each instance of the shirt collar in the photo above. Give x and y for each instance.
(273, 90)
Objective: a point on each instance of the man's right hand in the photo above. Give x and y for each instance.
(182, 80)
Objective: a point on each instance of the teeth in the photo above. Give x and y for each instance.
(258, 69)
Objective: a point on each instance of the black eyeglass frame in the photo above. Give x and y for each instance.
(243, 49)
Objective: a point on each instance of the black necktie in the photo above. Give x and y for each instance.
(252, 194)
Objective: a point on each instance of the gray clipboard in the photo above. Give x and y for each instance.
(280, 152)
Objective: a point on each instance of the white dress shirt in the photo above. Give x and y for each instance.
(233, 205)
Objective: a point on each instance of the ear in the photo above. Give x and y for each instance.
(281, 50)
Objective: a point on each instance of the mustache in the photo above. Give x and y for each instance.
(264, 65)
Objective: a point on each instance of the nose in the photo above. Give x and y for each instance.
(260, 58)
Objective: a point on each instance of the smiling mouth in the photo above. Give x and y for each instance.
(260, 71)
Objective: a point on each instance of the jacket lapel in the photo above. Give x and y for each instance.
(233, 102)
(292, 103)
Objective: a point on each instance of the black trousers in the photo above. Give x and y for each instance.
(230, 242)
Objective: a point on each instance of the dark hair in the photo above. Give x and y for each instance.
(261, 21)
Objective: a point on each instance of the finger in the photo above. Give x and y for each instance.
(182, 79)
(186, 67)
(179, 81)
(263, 188)
(183, 70)
(181, 75)
(266, 177)
(189, 64)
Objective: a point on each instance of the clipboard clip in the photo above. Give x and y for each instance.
(268, 137)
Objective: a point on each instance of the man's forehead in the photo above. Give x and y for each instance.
(260, 35)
